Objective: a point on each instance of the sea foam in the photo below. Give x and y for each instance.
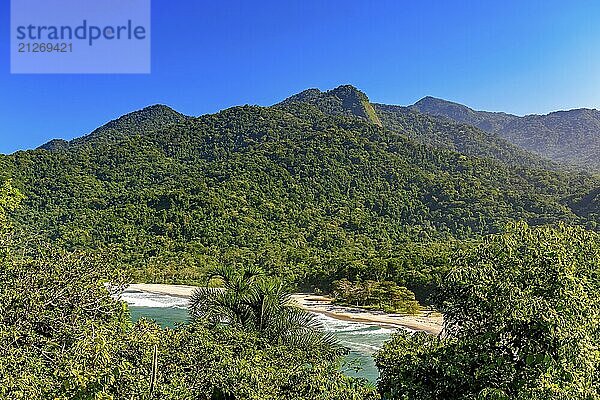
(145, 299)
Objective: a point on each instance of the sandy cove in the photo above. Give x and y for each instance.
(323, 305)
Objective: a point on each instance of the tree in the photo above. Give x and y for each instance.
(521, 316)
(399, 298)
(251, 301)
(385, 295)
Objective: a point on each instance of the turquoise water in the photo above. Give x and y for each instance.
(363, 340)
(166, 317)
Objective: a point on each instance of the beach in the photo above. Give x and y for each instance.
(324, 305)
(184, 291)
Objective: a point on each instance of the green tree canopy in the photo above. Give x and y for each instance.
(521, 322)
(64, 336)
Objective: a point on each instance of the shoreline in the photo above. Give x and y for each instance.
(184, 291)
(322, 305)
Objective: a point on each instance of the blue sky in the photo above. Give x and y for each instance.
(510, 56)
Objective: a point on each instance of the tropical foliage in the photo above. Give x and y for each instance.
(385, 295)
(305, 195)
(247, 299)
(322, 191)
(64, 336)
(521, 322)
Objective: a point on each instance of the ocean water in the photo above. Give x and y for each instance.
(362, 339)
(168, 311)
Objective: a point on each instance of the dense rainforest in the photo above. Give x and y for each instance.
(311, 190)
(63, 335)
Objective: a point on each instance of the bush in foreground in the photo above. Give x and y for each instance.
(521, 322)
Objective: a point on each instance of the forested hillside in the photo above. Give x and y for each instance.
(63, 335)
(459, 137)
(309, 196)
(432, 131)
(568, 137)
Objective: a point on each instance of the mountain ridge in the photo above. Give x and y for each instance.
(569, 137)
(152, 117)
(433, 100)
(428, 130)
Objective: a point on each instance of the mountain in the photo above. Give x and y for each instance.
(55, 144)
(309, 195)
(488, 121)
(432, 131)
(567, 137)
(343, 100)
(152, 118)
(463, 138)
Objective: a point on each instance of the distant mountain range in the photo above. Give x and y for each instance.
(567, 137)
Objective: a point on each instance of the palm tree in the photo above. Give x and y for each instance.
(249, 300)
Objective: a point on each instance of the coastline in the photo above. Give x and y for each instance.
(184, 291)
(323, 305)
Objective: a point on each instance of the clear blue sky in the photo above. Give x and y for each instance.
(208, 55)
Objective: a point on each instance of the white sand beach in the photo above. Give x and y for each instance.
(323, 305)
(159, 288)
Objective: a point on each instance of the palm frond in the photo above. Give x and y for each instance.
(254, 302)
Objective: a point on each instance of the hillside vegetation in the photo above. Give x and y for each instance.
(309, 195)
(568, 137)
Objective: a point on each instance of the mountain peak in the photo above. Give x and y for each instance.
(429, 103)
(443, 108)
(348, 91)
(148, 118)
(430, 99)
(55, 145)
(150, 112)
(342, 100)
(305, 96)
